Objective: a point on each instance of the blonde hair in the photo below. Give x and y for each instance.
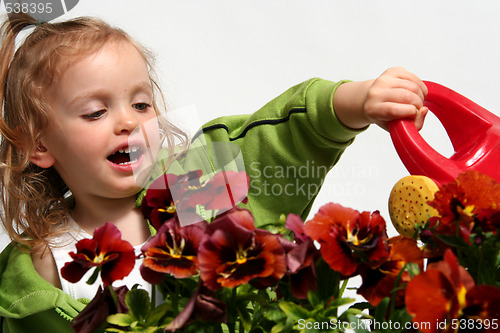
(34, 208)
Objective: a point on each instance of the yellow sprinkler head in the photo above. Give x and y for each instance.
(408, 203)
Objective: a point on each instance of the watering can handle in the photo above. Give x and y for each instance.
(473, 131)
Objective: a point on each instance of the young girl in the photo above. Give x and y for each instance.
(73, 93)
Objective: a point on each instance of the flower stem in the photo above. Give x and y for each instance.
(343, 287)
(175, 299)
(153, 295)
(113, 296)
(94, 275)
(231, 320)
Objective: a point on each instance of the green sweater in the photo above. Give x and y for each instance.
(287, 147)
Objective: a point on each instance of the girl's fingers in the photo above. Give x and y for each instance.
(419, 119)
(404, 75)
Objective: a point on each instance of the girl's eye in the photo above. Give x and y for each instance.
(94, 115)
(141, 106)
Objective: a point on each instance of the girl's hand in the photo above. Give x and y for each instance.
(396, 94)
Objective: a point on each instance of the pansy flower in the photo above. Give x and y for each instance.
(301, 256)
(348, 237)
(220, 193)
(483, 306)
(203, 306)
(463, 200)
(160, 204)
(107, 251)
(233, 252)
(172, 250)
(180, 196)
(94, 315)
(227, 189)
(381, 282)
(438, 295)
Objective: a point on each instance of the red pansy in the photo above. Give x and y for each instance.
(172, 250)
(180, 196)
(463, 200)
(163, 198)
(301, 257)
(106, 250)
(201, 306)
(381, 282)
(233, 252)
(227, 189)
(94, 315)
(348, 237)
(438, 295)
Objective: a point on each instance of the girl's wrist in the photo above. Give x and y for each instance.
(348, 103)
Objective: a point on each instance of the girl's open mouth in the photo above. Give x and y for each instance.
(125, 156)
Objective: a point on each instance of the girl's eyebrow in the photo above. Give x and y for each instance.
(143, 86)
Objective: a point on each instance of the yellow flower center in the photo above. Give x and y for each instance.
(241, 261)
(99, 259)
(353, 238)
(170, 209)
(461, 297)
(468, 210)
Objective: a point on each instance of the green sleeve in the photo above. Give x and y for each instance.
(28, 303)
(288, 146)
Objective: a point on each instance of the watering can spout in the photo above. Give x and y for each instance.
(473, 131)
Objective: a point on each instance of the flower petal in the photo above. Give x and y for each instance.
(431, 298)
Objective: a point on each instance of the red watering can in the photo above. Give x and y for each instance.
(473, 131)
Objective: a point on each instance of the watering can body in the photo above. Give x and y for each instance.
(473, 131)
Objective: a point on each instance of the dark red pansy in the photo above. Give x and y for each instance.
(227, 189)
(106, 250)
(204, 306)
(483, 305)
(173, 250)
(158, 205)
(348, 237)
(301, 257)
(381, 282)
(185, 197)
(233, 252)
(94, 315)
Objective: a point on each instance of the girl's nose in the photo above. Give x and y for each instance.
(126, 120)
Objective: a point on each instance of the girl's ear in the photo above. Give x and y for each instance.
(42, 157)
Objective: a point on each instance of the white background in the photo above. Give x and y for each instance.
(231, 57)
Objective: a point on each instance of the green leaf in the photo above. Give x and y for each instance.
(328, 281)
(120, 319)
(274, 315)
(294, 311)
(245, 319)
(113, 329)
(148, 330)
(381, 309)
(341, 301)
(454, 241)
(357, 324)
(313, 298)
(278, 328)
(157, 316)
(361, 306)
(412, 269)
(137, 301)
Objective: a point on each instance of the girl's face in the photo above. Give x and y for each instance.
(97, 104)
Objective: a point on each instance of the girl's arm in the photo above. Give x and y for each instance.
(395, 94)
